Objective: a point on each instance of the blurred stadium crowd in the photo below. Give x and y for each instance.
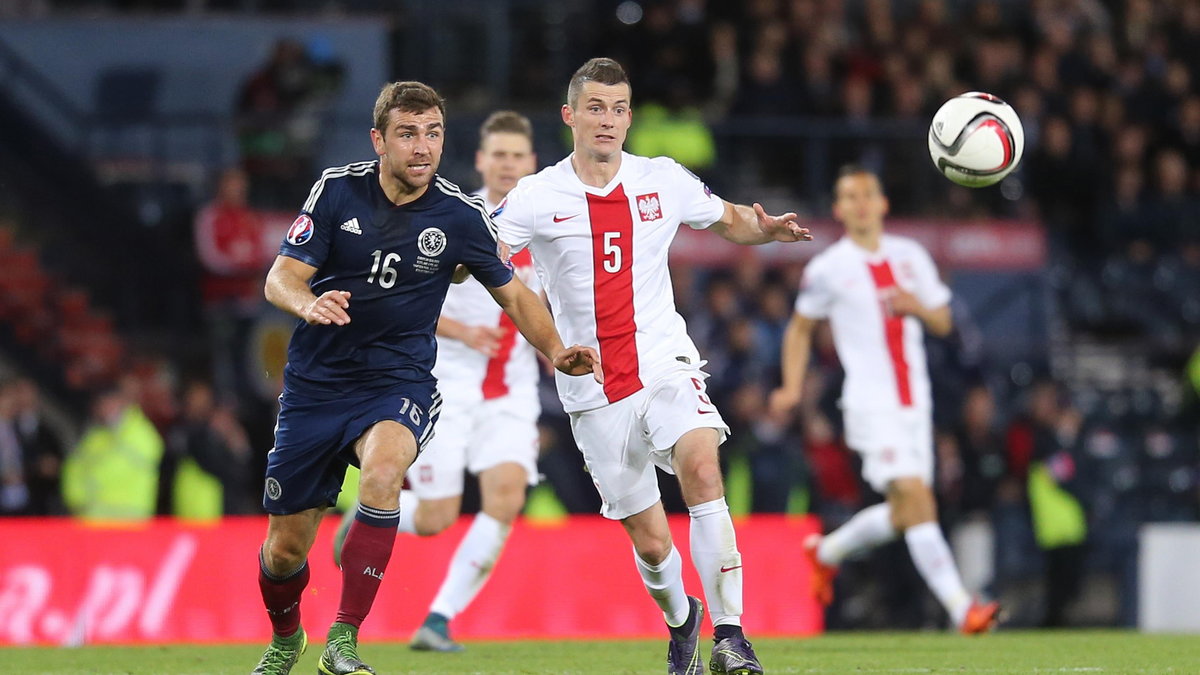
(1056, 459)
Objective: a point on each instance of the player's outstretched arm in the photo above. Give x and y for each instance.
(797, 347)
(287, 288)
(532, 318)
(751, 225)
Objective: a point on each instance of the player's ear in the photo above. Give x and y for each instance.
(479, 160)
(568, 116)
(377, 141)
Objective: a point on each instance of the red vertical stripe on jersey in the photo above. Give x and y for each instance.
(495, 380)
(495, 384)
(612, 275)
(893, 327)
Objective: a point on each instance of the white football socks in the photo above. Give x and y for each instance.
(408, 512)
(471, 565)
(715, 555)
(867, 529)
(664, 581)
(933, 560)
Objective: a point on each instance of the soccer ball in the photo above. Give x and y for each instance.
(976, 139)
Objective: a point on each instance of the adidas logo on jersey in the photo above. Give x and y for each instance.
(352, 226)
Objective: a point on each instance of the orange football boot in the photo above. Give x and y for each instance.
(981, 618)
(822, 574)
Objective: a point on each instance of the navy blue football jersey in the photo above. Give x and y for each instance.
(396, 262)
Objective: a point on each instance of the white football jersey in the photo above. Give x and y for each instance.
(883, 354)
(601, 254)
(463, 371)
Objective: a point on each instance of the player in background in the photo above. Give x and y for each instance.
(879, 292)
(488, 376)
(599, 224)
(365, 267)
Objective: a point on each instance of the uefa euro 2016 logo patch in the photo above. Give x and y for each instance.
(431, 242)
(300, 231)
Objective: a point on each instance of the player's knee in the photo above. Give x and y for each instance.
(704, 477)
(912, 503)
(435, 518)
(505, 508)
(379, 486)
(504, 501)
(283, 555)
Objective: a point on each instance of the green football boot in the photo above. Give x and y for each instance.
(341, 652)
(434, 636)
(281, 654)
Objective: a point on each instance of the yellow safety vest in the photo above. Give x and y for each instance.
(1058, 517)
(113, 473)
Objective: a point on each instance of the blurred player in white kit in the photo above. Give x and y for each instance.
(599, 224)
(879, 293)
(487, 374)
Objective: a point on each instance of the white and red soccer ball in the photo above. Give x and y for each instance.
(976, 139)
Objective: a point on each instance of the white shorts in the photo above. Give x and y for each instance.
(476, 436)
(892, 443)
(622, 442)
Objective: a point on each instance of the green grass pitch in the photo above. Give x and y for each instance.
(1005, 652)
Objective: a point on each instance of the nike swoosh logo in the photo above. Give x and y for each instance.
(730, 569)
(705, 412)
(559, 220)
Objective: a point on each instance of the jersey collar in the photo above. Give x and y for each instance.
(599, 191)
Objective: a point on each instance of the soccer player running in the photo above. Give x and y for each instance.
(879, 292)
(488, 376)
(599, 224)
(365, 267)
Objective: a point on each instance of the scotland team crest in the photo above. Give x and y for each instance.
(431, 242)
(274, 489)
(300, 231)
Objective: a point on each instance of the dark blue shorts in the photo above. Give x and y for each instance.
(314, 440)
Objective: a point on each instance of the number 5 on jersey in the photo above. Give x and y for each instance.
(612, 258)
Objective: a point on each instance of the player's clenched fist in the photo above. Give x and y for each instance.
(577, 360)
(329, 308)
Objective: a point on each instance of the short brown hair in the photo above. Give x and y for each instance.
(601, 70)
(506, 122)
(412, 97)
(853, 169)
